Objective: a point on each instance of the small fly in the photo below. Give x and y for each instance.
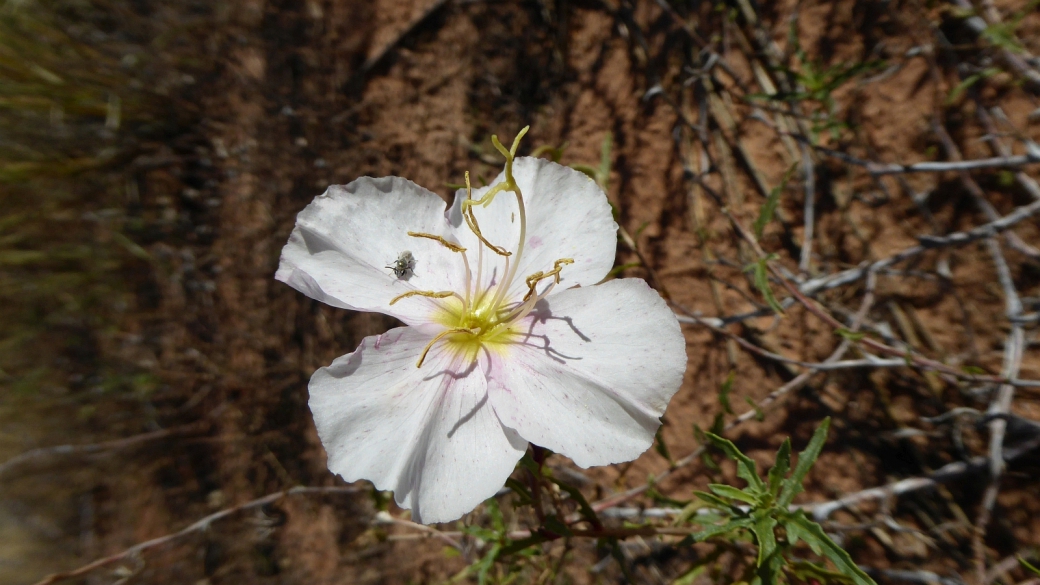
(404, 266)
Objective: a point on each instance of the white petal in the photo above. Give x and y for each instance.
(426, 433)
(595, 374)
(344, 240)
(567, 217)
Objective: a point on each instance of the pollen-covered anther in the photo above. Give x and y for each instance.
(440, 239)
(424, 293)
(534, 279)
(440, 336)
(471, 219)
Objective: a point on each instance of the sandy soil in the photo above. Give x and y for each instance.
(306, 94)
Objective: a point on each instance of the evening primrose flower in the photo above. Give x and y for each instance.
(507, 340)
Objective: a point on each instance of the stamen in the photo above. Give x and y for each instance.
(425, 293)
(471, 220)
(535, 278)
(440, 335)
(443, 242)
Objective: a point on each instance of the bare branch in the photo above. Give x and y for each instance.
(197, 526)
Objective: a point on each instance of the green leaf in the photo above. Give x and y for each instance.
(556, 526)
(806, 458)
(698, 566)
(850, 334)
(731, 526)
(765, 213)
(604, 161)
(1027, 566)
(780, 469)
(822, 544)
(733, 493)
(764, 533)
(770, 570)
(713, 500)
(586, 510)
(795, 533)
(528, 463)
(760, 278)
(522, 544)
(725, 389)
(662, 448)
(586, 169)
(496, 515)
(746, 469)
(968, 82)
(760, 415)
(807, 571)
(520, 490)
(619, 269)
(484, 565)
(555, 152)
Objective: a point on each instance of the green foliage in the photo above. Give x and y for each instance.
(1003, 35)
(763, 510)
(600, 174)
(74, 111)
(760, 277)
(765, 214)
(1029, 567)
(850, 334)
(815, 83)
(969, 81)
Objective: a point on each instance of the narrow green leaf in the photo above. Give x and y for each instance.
(556, 526)
(484, 565)
(764, 533)
(586, 510)
(760, 414)
(619, 269)
(728, 491)
(520, 490)
(713, 500)
(850, 334)
(811, 532)
(765, 213)
(662, 448)
(806, 458)
(725, 389)
(496, 515)
(586, 169)
(795, 532)
(746, 469)
(522, 544)
(780, 469)
(762, 283)
(604, 161)
(731, 526)
(770, 570)
(1029, 567)
(807, 571)
(699, 565)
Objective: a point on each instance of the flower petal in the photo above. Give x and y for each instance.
(594, 374)
(426, 433)
(344, 241)
(567, 217)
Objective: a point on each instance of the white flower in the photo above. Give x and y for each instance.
(507, 340)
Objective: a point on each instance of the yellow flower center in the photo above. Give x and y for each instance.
(484, 318)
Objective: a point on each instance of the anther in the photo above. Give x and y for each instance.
(471, 220)
(534, 279)
(443, 242)
(424, 293)
(442, 334)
